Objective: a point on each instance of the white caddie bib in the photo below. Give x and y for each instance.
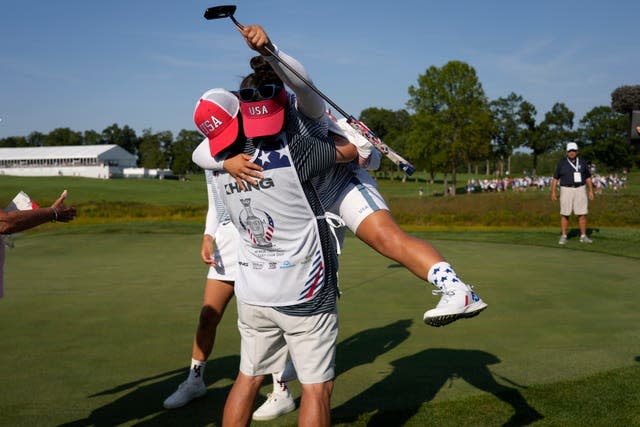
(280, 259)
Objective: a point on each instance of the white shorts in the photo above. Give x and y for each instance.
(266, 336)
(573, 199)
(360, 199)
(225, 253)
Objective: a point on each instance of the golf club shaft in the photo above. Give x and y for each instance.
(360, 127)
(356, 124)
(297, 74)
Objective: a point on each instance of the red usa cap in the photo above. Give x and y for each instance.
(266, 117)
(216, 116)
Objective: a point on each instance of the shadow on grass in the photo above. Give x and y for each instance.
(144, 398)
(574, 233)
(415, 380)
(365, 346)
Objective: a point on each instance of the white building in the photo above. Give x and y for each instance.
(92, 161)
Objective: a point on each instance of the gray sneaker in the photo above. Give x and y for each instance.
(563, 240)
(186, 392)
(585, 239)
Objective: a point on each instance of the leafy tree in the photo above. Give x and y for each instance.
(13, 141)
(128, 140)
(35, 139)
(626, 99)
(382, 121)
(151, 153)
(125, 138)
(558, 124)
(453, 98)
(603, 133)
(424, 144)
(63, 136)
(550, 134)
(506, 113)
(112, 135)
(390, 126)
(91, 137)
(181, 150)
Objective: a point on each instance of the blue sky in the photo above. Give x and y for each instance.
(144, 63)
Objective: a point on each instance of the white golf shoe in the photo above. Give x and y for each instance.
(457, 302)
(186, 392)
(277, 404)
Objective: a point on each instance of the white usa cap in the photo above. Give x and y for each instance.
(572, 146)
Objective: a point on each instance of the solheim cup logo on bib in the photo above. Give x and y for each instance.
(259, 228)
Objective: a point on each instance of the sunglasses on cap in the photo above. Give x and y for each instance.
(260, 93)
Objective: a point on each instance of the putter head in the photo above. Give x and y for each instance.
(218, 12)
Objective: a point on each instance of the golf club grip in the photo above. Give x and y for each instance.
(396, 158)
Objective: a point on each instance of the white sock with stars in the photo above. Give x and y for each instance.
(441, 274)
(196, 373)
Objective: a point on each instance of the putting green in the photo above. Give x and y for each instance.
(97, 328)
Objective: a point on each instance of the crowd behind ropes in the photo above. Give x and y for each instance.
(610, 182)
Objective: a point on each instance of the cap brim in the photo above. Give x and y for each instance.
(225, 138)
(269, 118)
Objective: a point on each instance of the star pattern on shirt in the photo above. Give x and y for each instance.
(264, 157)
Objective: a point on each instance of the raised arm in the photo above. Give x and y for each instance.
(309, 102)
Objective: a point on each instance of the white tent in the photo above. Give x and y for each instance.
(93, 161)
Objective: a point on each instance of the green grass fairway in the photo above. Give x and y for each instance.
(97, 322)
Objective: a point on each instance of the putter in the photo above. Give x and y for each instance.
(227, 11)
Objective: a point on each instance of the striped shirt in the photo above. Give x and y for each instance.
(216, 214)
(313, 154)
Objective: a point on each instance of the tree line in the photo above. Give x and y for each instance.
(449, 126)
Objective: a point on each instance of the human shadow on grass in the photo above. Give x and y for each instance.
(416, 379)
(143, 399)
(365, 346)
(574, 233)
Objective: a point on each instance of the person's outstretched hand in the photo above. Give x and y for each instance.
(63, 213)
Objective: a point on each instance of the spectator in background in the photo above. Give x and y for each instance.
(572, 174)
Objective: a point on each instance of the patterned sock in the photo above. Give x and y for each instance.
(196, 373)
(442, 274)
(279, 387)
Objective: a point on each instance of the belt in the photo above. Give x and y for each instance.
(573, 185)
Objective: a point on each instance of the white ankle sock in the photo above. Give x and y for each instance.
(442, 274)
(279, 387)
(196, 373)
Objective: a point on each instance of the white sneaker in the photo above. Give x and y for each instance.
(277, 404)
(186, 392)
(563, 240)
(585, 239)
(457, 302)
